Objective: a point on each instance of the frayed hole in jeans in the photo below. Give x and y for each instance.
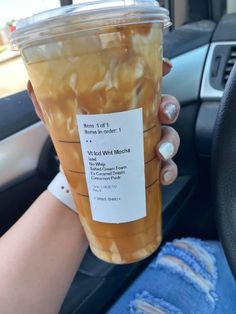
(146, 303)
(190, 260)
(147, 308)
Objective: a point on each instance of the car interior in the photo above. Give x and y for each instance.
(201, 44)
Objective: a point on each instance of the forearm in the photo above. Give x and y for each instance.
(39, 257)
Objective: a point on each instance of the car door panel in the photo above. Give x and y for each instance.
(19, 153)
(16, 113)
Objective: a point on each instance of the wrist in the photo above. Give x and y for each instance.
(59, 192)
(58, 212)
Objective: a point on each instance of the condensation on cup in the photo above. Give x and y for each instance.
(96, 69)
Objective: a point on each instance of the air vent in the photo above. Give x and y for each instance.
(229, 64)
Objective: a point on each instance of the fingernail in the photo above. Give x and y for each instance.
(168, 62)
(171, 111)
(166, 150)
(168, 176)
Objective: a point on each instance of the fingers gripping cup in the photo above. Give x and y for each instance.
(96, 69)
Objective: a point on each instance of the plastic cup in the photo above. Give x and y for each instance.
(96, 70)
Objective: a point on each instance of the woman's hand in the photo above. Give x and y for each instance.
(169, 143)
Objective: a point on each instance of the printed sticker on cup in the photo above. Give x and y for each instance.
(113, 154)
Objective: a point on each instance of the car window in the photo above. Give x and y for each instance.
(13, 76)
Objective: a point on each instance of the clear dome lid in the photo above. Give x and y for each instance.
(87, 15)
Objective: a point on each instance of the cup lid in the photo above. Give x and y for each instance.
(92, 14)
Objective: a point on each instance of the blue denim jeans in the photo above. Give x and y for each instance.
(189, 276)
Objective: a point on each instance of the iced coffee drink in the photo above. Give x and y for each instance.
(99, 91)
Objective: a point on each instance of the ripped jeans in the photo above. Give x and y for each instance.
(189, 276)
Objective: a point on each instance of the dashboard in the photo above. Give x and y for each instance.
(220, 60)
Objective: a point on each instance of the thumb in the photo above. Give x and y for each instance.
(34, 100)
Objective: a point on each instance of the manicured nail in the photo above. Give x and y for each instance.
(168, 176)
(171, 111)
(166, 150)
(168, 62)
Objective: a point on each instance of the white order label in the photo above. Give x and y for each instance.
(113, 154)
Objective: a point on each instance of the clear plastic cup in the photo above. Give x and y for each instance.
(96, 69)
